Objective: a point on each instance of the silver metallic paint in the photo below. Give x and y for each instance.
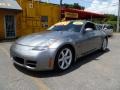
(83, 43)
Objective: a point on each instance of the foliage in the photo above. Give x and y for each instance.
(75, 5)
(109, 19)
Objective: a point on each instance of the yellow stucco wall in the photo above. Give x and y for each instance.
(29, 19)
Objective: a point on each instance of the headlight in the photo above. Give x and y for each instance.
(45, 45)
(39, 48)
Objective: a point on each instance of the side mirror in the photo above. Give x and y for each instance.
(88, 29)
(105, 29)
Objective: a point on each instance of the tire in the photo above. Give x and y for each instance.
(64, 58)
(104, 44)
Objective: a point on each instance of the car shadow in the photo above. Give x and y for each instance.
(8, 40)
(45, 74)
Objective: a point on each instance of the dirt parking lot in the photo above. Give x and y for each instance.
(97, 71)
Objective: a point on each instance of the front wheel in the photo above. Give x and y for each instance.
(104, 45)
(64, 58)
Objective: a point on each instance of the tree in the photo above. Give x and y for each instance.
(75, 6)
(111, 19)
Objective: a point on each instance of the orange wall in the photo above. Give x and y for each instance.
(29, 19)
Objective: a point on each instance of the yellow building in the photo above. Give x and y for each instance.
(25, 17)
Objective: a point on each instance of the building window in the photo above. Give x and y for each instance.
(44, 20)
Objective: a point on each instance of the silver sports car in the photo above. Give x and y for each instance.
(59, 46)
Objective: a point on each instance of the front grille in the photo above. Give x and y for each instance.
(31, 63)
(19, 60)
(28, 63)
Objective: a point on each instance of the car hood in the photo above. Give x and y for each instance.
(39, 38)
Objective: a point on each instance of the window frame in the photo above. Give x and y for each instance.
(93, 27)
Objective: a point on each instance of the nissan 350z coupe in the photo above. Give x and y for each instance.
(59, 46)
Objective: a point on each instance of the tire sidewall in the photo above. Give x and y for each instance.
(56, 66)
(102, 48)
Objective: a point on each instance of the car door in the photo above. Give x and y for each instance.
(87, 39)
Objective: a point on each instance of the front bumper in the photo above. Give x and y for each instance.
(31, 59)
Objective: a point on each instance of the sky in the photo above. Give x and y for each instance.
(97, 6)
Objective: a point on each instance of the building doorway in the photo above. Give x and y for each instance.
(10, 31)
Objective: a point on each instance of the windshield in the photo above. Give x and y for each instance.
(67, 26)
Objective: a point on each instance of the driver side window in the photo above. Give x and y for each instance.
(89, 25)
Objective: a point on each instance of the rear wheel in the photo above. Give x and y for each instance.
(64, 58)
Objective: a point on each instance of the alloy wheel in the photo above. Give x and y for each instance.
(65, 58)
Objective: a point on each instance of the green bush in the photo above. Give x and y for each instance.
(113, 23)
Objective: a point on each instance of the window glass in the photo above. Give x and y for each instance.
(109, 27)
(99, 27)
(90, 25)
(44, 18)
(66, 26)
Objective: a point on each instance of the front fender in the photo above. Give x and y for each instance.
(59, 44)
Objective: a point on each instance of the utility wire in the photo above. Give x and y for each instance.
(107, 7)
(113, 4)
(94, 3)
